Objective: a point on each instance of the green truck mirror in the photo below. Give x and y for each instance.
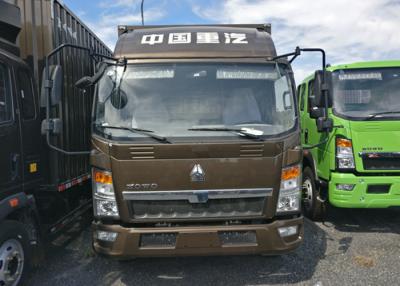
(324, 124)
(322, 82)
(316, 112)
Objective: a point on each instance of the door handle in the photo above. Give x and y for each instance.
(14, 166)
(306, 136)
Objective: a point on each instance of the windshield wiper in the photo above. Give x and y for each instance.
(373, 115)
(246, 132)
(141, 131)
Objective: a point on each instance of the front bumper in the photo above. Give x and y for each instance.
(198, 240)
(359, 197)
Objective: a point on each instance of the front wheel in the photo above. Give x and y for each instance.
(313, 207)
(14, 253)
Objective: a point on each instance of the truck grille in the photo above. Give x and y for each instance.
(381, 161)
(214, 204)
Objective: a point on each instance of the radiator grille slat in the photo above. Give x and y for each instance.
(142, 152)
(251, 150)
(381, 161)
(181, 209)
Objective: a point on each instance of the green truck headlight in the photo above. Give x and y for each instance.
(344, 154)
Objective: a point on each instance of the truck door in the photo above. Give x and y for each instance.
(310, 135)
(10, 139)
(30, 128)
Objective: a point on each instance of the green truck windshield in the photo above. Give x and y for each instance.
(367, 93)
(176, 100)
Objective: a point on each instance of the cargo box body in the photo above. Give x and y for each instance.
(46, 25)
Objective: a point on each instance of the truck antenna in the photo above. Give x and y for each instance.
(141, 9)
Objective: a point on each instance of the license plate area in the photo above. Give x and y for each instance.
(201, 239)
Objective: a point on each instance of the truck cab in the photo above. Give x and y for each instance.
(196, 144)
(359, 165)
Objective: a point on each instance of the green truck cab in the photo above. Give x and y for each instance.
(356, 164)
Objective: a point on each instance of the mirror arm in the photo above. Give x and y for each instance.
(48, 87)
(294, 54)
(323, 83)
(318, 144)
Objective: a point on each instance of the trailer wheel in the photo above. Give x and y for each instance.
(313, 207)
(14, 253)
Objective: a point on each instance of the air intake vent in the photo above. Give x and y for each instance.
(141, 152)
(251, 150)
(378, 189)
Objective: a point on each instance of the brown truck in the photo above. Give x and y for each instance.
(195, 144)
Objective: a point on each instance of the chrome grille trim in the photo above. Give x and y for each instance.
(197, 196)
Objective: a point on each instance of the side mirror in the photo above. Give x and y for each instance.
(56, 77)
(324, 124)
(287, 100)
(316, 112)
(84, 82)
(118, 99)
(54, 125)
(318, 99)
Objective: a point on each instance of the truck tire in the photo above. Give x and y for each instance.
(15, 254)
(313, 207)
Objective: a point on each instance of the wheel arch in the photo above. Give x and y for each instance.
(22, 208)
(308, 161)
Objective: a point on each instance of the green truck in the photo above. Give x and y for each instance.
(357, 163)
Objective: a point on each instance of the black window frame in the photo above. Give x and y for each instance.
(310, 89)
(28, 76)
(8, 85)
(302, 91)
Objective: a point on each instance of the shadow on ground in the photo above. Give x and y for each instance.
(364, 220)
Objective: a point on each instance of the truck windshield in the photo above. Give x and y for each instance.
(367, 93)
(176, 100)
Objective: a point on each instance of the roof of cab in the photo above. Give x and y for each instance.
(195, 41)
(359, 65)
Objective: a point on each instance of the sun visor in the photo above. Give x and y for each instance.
(195, 42)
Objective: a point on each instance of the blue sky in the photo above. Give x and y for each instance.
(349, 31)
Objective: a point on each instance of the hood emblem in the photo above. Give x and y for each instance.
(197, 174)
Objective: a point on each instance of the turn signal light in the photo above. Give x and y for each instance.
(291, 172)
(342, 142)
(102, 177)
(13, 202)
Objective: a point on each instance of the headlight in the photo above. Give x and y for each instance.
(290, 191)
(104, 202)
(344, 154)
(105, 208)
